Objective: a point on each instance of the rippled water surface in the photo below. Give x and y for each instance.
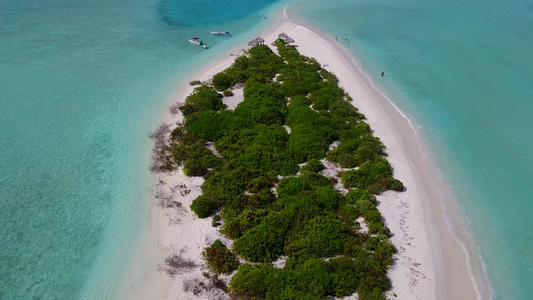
(81, 85)
(463, 70)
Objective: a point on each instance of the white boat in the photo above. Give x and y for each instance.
(197, 41)
(220, 33)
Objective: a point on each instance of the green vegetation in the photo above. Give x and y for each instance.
(306, 219)
(216, 221)
(203, 98)
(313, 165)
(219, 259)
(374, 177)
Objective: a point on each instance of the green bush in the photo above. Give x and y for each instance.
(307, 181)
(313, 165)
(227, 93)
(325, 95)
(307, 220)
(250, 282)
(195, 157)
(236, 222)
(263, 199)
(262, 148)
(263, 243)
(323, 236)
(327, 198)
(362, 206)
(301, 208)
(311, 133)
(224, 190)
(266, 110)
(344, 276)
(313, 277)
(219, 259)
(222, 81)
(195, 82)
(358, 194)
(281, 220)
(259, 183)
(216, 220)
(345, 111)
(203, 207)
(212, 125)
(349, 213)
(203, 98)
(372, 176)
(328, 76)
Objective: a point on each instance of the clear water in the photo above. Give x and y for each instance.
(463, 70)
(81, 85)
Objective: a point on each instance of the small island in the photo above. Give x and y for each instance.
(290, 176)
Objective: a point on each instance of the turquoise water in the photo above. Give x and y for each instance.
(463, 70)
(81, 85)
(83, 82)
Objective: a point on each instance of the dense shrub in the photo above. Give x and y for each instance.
(216, 220)
(344, 276)
(363, 206)
(313, 277)
(227, 93)
(225, 188)
(328, 76)
(325, 95)
(195, 157)
(310, 132)
(306, 219)
(219, 259)
(203, 98)
(259, 183)
(383, 249)
(358, 194)
(263, 199)
(307, 181)
(203, 207)
(313, 165)
(266, 110)
(222, 81)
(355, 151)
(212, 125)
(250, 282)
(349, 213)
(262, 148)
(263, 243)
(372, 176)
(237, 222)
(345, 111)
(323, 236)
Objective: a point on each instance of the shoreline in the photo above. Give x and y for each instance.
(430, 263)
(405, 150)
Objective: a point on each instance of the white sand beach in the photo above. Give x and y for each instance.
(430, 263)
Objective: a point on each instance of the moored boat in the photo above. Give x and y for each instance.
(197, 41)
(220, 33)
